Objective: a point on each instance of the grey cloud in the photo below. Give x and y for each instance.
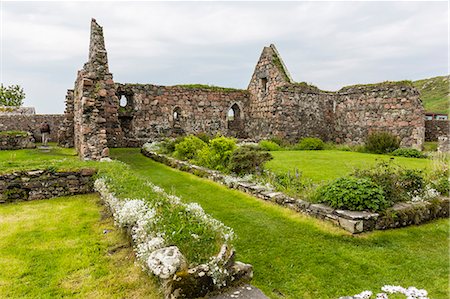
(329, 44)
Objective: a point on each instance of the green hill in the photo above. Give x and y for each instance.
(435, 93)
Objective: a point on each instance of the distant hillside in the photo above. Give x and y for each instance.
(434, 93)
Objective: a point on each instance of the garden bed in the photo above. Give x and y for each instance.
(400, 215)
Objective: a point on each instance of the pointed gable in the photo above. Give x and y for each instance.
(270, 73)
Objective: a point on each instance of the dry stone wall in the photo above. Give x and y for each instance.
(155, 111)
(32, 123)
(436, 128)
(41, 184)
(13, 110)
(19, 140)
(394, 108)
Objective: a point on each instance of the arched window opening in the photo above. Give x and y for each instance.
(176, 114)
(230, 115)
(264, 85)
(123, 101)
(234, 117)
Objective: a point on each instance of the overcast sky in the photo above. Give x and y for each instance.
(328, 44)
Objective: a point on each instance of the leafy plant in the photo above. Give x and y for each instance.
(217, 154)
(409, 153)
(268, 145)
(246, 160)
(310, 143)
(382, 143)
(12, 95)
(398, 184)
(189, 147)
(350, 193)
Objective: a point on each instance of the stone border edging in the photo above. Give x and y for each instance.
(400, 215)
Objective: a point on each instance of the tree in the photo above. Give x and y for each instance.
(12, 95)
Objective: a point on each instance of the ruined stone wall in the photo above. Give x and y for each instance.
(13, 110)
(394, 108)
(32, 123)
(303, 111)
(154, 111)
(435, 128)
(95, 102)
(66, 133)
(269, 75)
(41, 184)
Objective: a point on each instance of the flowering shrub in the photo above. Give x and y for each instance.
(410, 293)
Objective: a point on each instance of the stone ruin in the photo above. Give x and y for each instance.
(101, 113)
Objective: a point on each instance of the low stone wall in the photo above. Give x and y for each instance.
(435, 128)
(13, 110)
(20, 140)
(42, 184)
(31, 123)
(402, 214)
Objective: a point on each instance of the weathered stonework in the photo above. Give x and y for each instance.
(13, 110)
(32, 123)
(435, 128)
(42, 184)
(150, 111)
(401, 214)
(16, 141)
(443, 144)
(272, 105)
(66, 133)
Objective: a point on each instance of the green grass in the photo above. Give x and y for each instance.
(435, 93)
(56, 158)
(330, 164)
(302, 257)
(57, 248)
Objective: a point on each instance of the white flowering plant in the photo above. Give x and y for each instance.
(158, 221)
(408, 293)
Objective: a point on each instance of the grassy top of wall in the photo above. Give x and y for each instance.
(13, 133)
(385, 84)
(209, 87)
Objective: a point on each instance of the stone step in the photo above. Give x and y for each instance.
(245, 291)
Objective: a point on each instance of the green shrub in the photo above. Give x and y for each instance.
(355, 194)
(204, 136)
(246, 160)
(398, 184)
(167, 146)
(189, 147)
(268, 145)
(310, 143)
(217, 154)
(280, 141)
(408, 152)
(381, 143)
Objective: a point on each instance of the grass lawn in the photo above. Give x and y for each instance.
(57, 248)
(331, 164)
(296, 256)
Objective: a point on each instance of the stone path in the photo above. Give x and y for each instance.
(245, 291)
